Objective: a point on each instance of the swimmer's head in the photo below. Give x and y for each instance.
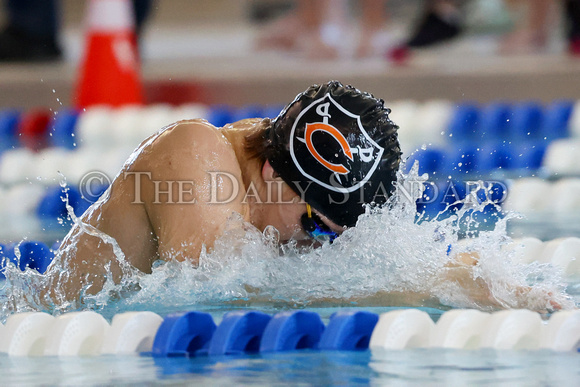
(336, 147)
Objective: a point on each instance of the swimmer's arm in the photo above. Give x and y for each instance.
(191, 153)
(460, 271)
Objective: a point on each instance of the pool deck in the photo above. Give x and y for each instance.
(214, 61)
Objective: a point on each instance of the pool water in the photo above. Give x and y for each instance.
(422, 367)
(380, 254)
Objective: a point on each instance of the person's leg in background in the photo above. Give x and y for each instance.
(299, 30)
(31, 31)
(441, 21)
(373, 20)
(532, 30)
(142, 10)
(572, 15)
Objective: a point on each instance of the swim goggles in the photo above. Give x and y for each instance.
(315, 227)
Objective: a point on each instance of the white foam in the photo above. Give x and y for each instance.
(525, 250)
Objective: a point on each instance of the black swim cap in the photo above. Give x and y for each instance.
(336, 146)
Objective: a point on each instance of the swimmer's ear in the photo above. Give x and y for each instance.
(268, 173)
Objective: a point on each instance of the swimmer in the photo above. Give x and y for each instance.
(308, 173)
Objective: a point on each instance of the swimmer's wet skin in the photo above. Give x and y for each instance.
(308, 173)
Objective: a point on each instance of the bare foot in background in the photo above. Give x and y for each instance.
(311, 46)
(523, 42)
(300, 31)
(282, 34)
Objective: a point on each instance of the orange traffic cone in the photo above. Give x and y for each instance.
(110, 69)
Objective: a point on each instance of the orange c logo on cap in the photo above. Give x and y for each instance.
(311, 128)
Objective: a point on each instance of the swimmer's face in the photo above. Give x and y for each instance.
(289, 221)
(286, 212)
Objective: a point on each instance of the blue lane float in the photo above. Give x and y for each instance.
(188, 334)
(62, 132)
(184, 334)
(52, 211)
(240, 332)
(349, 330)
(31, 254)
(9, 119)
(464, 125)
(220, 115)
(431, 160)
(292, 330)
(557, 120)
(272, 111)
(35, 255)
(464, 160)
(527, 121)
(495, 121)
(248, 111)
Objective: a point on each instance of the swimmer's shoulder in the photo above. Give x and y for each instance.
(187, 137)
(197, 131)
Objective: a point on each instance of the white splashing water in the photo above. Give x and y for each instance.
(388, 253)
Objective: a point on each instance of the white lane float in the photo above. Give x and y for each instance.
(513, 329)
(528, 195)
(401, 329)
(25, 334)
(564, 196)
(189, 111)
(433, 118)
(460, 329)
(17, 165)
(562, 332)
(131, 333)
(77, 334)
(88, 333)
(563, 157)
(564, 253)
(93, 127)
